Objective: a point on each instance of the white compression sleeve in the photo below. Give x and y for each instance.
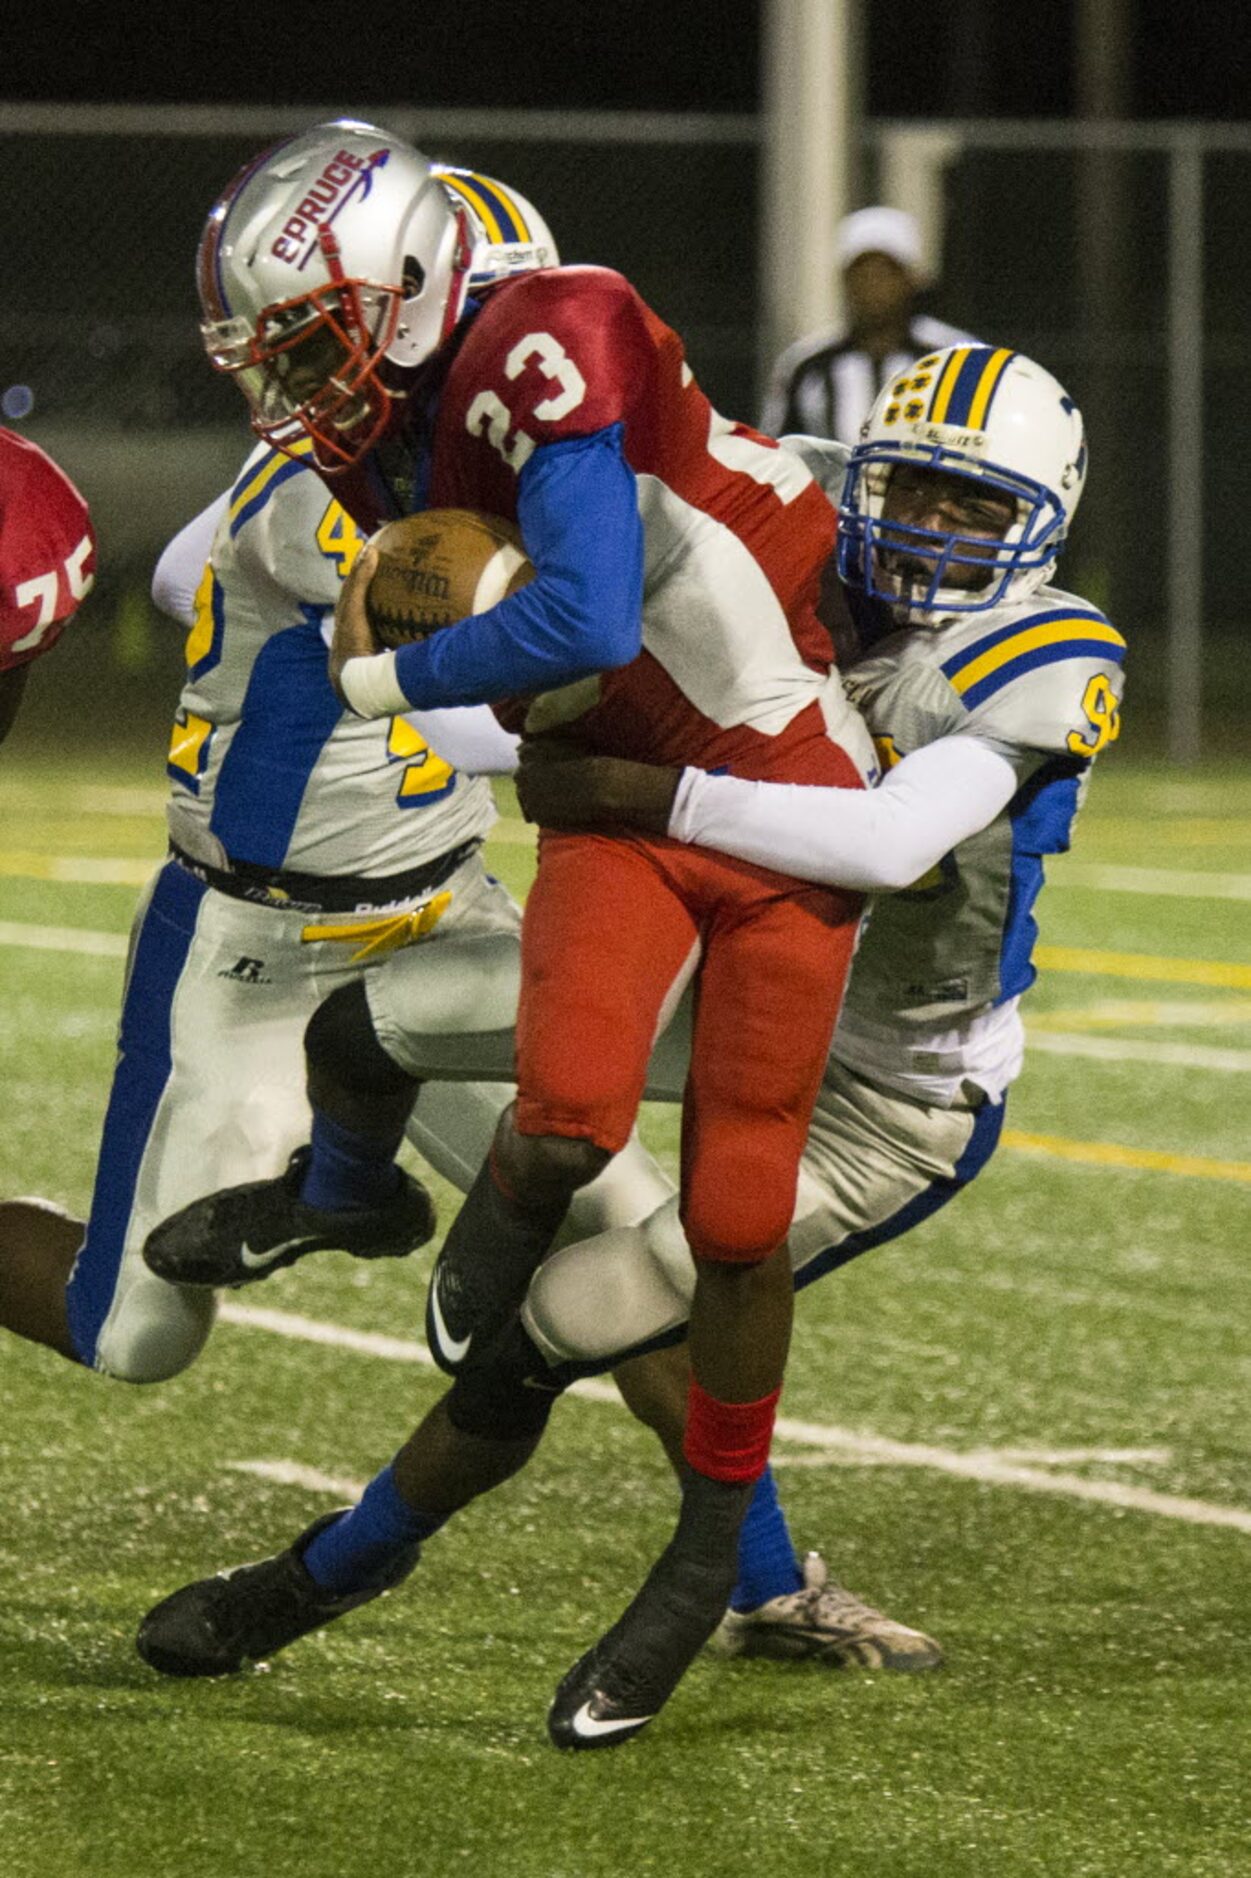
(873, 839)
(182, 562)
(371, 688)
(470, 737)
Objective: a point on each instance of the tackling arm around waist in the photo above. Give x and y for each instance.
(874, 840)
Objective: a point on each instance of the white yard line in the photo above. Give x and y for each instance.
(837, 1446)
(292, 1474)
(79, 870)
(1080, 1457)
(62, 939)
(1180, 882)
(1136, 1050)
(99, 799)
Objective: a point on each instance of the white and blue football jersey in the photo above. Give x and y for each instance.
(941, 966)
(932, 1000)
(266, 766)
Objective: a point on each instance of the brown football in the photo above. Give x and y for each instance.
(437, 567)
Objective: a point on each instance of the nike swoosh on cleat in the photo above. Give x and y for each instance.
(254, 1261)
(588, 1727)
(452, 1349)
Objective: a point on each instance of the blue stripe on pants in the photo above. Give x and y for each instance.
(981, 1145)
(143, 1068)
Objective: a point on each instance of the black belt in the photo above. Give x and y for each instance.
(324, 893)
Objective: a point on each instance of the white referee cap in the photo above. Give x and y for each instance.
(879, 231)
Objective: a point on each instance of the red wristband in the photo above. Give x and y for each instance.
(728, 1440)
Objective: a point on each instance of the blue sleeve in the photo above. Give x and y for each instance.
(582, 613)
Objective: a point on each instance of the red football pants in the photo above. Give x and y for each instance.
(609, 924)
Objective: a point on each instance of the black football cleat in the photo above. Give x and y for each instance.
(215, 1626)
(601, 1703)
(240, 1235)
(620, 1685)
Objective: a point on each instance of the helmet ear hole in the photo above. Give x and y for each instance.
(413, 278)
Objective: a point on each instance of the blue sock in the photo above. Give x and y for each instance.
(346, 1170)
(768, 1566)
(356, 1551)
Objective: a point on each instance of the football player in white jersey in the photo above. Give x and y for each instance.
(990, 693)
(308, 848)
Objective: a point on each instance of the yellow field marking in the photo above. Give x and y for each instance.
(1111, 1154)
(1143, 965)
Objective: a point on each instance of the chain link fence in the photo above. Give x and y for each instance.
(1045, 248)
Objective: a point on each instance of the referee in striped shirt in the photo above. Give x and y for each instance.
(825, 385)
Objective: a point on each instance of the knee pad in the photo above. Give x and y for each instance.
(602, 1298)
(339, 1041)
(157, 1333)
(543, 1167)
(507, 1395)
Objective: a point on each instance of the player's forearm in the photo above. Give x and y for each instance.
(875, 840)
(472, 740)
(578, 510)
(546, 635)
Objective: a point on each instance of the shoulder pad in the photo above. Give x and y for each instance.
(1049, 677)
(283, 523)
(265, 472)
(564, 352)
(826, 459)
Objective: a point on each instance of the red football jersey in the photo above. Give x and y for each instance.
(47, 551)
(735, 670)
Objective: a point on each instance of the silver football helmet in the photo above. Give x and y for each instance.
(510, 236)
(985, 414)
(334, 264)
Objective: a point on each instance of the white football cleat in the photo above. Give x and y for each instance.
(827, 1624)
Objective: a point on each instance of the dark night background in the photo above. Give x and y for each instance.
(101, 325)
(924, 57)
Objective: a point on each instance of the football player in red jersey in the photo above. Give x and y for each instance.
(673, 616)
(47, 561)
(47, 566)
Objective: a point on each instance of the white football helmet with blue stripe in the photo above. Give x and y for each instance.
(511, 236)
(983, 413)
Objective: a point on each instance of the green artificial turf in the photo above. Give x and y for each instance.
(1091, 1720)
